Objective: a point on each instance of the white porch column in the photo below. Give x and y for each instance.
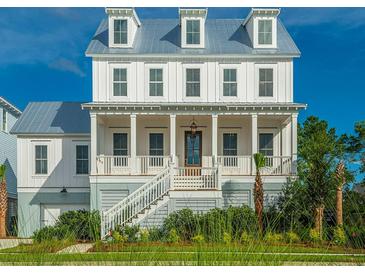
(133, 118)
(94, 142)
(214, 137)
(253, 140)
(294, 141)
(173, 137)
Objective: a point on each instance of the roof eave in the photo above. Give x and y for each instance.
(7, 104)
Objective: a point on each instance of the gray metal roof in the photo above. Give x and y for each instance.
(53, 118)
(6, 104)
(162, 36)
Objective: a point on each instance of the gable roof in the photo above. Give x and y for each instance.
(53, 118)
(162, 37)
(6, 104)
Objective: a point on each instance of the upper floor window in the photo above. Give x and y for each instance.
(120, 82)
(156, 82)
(229, 82)
(266, 82)
(230, 144)
(82, 159)
(120, 31)
(193, 82)
(193, 32)
(266, 144)
(265, 32)
(41, 159)
(5, 121)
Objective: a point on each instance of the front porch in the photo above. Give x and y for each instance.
(140, 144)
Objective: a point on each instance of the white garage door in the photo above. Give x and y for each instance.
(50, 213)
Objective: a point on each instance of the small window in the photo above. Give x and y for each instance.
(41, 162)
(156, 82)
(5, 121)
(120, 31)
(193, 32)
(156, 149)
(82, 159)
(120, 82)
(230, 144)
(266, 79)
(193, 82)
(120, 144)
(229, 82)
(265, 32)
(266, 144)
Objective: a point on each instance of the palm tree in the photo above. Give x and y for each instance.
(259, 189)
(340, 176)
(3, 202)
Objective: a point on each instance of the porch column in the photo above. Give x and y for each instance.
(253, 140)
(294, 142)
(173, 137)
(94, 142)
(214, 137)
(133, 143)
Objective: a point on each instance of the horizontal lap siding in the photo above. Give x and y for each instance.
(156, 218)
(236, 198)
(111, 197)
(197, 205)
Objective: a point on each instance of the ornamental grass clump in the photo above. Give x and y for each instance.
(271, 237)
(227, 238)
(173, 237)
(292, 237)
(339, 236)
(198, 239)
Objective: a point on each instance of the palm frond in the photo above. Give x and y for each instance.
(259, 159)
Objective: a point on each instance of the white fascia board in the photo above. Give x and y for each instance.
(261, 11)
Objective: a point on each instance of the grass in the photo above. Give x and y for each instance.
(44, 247)
(183, 254)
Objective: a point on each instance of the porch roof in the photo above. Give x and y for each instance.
(197, 108)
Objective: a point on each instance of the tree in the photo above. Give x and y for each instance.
(341, 180)
(318, 150)
(3, 202)
(259, 190)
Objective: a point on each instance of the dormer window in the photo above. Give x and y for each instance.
(120, 31)
(265, 32)
(193, 32)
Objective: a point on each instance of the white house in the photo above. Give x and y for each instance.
(179, 108)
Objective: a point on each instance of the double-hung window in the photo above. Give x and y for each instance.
(193, 32)
(156, 149)
(82, 159)
(266, 82)
(229, 82)
(265, 32)
(156, 82)
(230, 149)
(41, 159)
(193, 82)
(120, 82)
(120, 31)
(120, 148)
(5, 121)
(266, 147)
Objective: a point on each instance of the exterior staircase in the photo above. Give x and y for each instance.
(148, 198)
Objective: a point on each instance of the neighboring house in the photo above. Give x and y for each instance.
(9, 114)
(179, 108)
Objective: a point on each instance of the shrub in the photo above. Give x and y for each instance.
(173, 237)
(50, 233)
(273, 237)
(356, 236)
(245, 238)
(199, 239)
(156, 234)
(144, 235)
(339, 236)
(227, 238)
(292, 237)
(118, 238)
(314, 236)
(130, 232)
(185, 223)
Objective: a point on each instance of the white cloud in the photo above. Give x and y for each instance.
(63, 64)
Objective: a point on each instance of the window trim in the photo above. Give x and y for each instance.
(184, 34)
(35, 145)
(110, 82)
(163, 143)
(165, 79)
(230, 133)
(192, 32)
(259, 98)
(111, 20)
(128, 140)
(76, 159)
(276, 139)
(192, 82)
(256, 30)
(120, 82)
(126, 32)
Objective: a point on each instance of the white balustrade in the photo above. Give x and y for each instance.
(277, 165)
(195, 178)
(235, 165)
(151, 165)
(112, 165)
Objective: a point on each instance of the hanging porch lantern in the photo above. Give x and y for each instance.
(193, 128)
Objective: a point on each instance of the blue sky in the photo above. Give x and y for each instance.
(42, 56)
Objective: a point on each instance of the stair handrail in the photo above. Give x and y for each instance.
(123, 212)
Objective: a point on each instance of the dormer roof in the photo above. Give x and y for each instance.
(124, 12)
(261, 12)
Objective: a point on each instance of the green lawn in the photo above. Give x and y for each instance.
(186, 254)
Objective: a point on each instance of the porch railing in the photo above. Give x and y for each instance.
(113, 165)
(277, 165)
(151, 165)
(235, 165)
(191, 178)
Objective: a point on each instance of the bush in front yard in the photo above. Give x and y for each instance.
(79, 224)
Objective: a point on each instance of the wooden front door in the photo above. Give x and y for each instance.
(193, 149)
